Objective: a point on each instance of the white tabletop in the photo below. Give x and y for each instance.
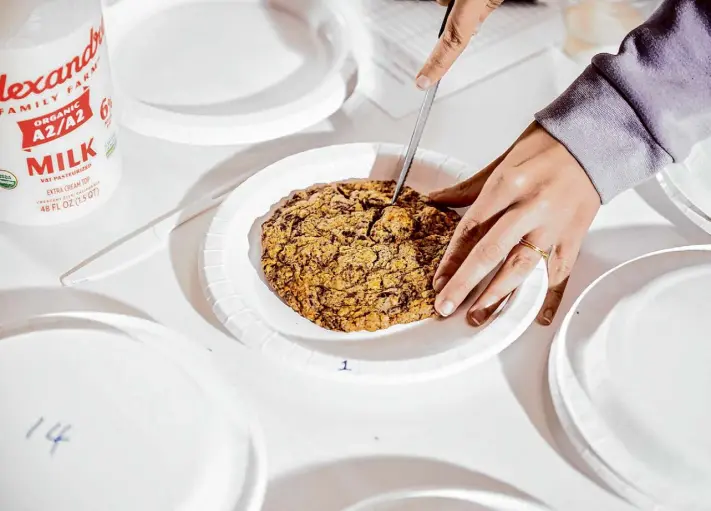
(331, 444)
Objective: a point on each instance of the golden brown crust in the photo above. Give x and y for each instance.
(340, 256)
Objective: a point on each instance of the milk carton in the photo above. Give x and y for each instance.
(58, 147)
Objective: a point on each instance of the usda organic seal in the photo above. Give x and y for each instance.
(8, 180)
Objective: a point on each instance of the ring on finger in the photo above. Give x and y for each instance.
(544, 254)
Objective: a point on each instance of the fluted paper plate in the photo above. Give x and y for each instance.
(230, 269)
(214, 72)
(630, 372)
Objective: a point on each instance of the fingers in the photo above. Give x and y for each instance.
(492, 5)
(496, 196)
(462, 24)
(537, 190)
(552, 303)
(466, 236)
(461, 194)
(484, 257)
(478, 219)
(560, 265)
(518, 265)
(483, 315)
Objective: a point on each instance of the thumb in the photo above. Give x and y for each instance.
(461, 194)
(463, 23)
(465, 192)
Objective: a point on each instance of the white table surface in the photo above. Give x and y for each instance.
(332, 444)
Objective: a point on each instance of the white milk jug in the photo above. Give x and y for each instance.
(58, 147)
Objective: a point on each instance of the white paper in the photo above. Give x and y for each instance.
(402, 33)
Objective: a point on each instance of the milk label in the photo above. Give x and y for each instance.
(58, 146)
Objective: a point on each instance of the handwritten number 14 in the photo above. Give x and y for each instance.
(57, 434)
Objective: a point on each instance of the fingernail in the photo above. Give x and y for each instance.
(478, 317)
(423, 83)
(439, 283)
(547, 316)
(446, 308)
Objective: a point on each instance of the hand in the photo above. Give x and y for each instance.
(536, 191)
(463, 23)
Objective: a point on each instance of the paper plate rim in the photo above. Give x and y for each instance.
(236, 316)
(617, 483)
(481, 497)
(189, 357)
(682, 202)
(610, 450)
(271, 124)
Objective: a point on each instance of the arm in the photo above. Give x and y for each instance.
(629, 115)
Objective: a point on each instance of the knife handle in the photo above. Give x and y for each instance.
(446, 17)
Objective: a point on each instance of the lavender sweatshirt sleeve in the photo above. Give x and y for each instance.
(629, 115)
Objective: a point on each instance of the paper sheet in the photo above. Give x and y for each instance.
(403, 33)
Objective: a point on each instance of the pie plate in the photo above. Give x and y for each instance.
(109, 412)
(214, 72)
(445, 499)
(230, 269)
(630, 377)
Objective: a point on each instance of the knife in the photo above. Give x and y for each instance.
(141, 244)
(422, 117)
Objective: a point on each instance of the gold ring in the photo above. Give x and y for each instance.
(530, 245)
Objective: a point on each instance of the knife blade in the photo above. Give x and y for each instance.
(420, 123)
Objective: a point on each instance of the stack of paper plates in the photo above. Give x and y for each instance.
(115, 413)
(688, 185)
(630, 378)
(445, 500)
(227, 71)
(233, 281)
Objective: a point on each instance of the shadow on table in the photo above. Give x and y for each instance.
(27, 302)
(603, 250)
(337, 485)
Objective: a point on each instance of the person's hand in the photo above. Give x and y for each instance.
(463, 23)
(537, 192)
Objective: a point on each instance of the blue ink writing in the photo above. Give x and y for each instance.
(345, 366)
(57, 434)
(60, 438)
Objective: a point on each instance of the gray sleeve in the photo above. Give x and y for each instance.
(629, 115)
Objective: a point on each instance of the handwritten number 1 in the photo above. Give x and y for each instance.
(345, 366)
(34, 428)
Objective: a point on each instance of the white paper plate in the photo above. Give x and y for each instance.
(688, 185)
(230, 269)
(445, 500)
(109, 412)
(213, 72)
(632, 365)
(614, 481)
